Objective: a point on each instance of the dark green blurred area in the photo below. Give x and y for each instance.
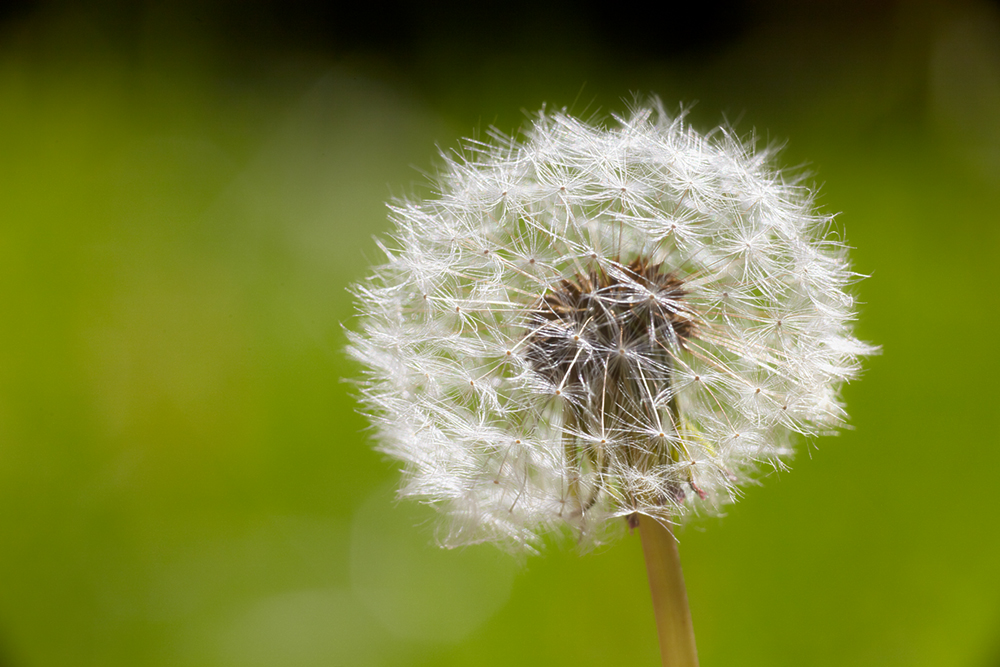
(185, 194)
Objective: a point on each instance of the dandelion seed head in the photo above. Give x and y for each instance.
(591, 322)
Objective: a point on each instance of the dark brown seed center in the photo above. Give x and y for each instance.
(601, 327)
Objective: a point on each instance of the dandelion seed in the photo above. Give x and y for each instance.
(655, 334)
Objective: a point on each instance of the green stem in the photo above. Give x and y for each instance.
(670, 603)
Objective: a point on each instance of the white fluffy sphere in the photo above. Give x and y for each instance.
(588, 323)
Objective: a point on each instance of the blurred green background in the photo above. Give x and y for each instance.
(186, 189)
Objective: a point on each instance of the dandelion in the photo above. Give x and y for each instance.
(594, 326)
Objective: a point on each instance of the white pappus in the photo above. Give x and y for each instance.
(592, 322)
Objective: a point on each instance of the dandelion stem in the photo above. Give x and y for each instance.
(670, 603)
